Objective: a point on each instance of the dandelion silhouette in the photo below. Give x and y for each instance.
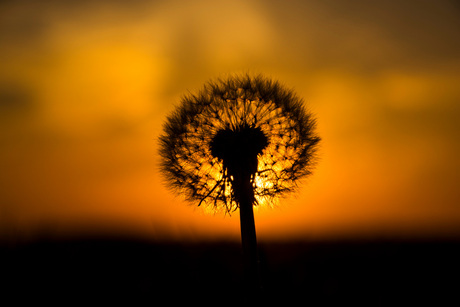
(239, 142)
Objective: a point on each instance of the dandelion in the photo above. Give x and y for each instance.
(239, 142)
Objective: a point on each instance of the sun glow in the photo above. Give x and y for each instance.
(261, 183)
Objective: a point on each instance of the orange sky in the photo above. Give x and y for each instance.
(86, 85)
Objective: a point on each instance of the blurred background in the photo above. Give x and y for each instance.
(85, 87)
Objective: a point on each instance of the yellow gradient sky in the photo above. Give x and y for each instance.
(86, 85)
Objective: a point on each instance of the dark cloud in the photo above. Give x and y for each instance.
(367, 34)
(15, 99)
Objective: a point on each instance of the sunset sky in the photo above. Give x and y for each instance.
(85, 87)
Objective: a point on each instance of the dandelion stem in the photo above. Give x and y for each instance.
(245, 195)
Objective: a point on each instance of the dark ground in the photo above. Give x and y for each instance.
(142, 273)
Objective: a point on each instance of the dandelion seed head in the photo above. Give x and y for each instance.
(239, 124)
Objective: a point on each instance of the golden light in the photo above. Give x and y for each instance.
(85, 88)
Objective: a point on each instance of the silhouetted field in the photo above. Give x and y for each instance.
(136, 272)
